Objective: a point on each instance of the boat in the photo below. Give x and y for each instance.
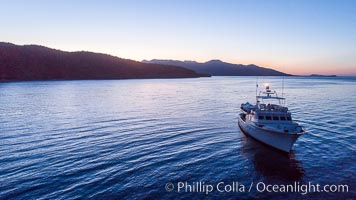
(269, 121)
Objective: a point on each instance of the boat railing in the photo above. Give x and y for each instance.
(272, 107)
(269, 94)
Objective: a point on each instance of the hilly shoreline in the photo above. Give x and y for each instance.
(220, 68)
(34, 62)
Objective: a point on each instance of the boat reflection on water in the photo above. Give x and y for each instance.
(271, 163)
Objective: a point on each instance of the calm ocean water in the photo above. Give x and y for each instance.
(126, 139)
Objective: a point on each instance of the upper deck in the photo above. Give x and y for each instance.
(270, 96)
(268, 108)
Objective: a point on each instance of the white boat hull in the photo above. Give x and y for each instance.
(279, 140)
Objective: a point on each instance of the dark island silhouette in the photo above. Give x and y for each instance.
(33, 62)
(220, 68)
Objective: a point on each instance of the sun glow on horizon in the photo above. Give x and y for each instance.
(299, 38)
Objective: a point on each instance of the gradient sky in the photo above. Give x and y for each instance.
(298, 37)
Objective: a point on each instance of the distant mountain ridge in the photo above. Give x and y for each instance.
(220, 68)
(33, 62)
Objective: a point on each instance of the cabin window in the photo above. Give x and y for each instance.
(289, 118)
(283, 118)
(261, 117)
(268, 118)
(275, 118)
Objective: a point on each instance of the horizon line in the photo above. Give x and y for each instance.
(179, 60)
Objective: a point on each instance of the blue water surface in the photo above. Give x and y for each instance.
(127, 139)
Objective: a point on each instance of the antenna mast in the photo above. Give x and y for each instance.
(284, 102)
(256, 89)
(282, 86)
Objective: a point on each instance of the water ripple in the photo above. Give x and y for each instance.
(127, 139)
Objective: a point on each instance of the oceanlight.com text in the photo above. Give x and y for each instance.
(236, 187)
